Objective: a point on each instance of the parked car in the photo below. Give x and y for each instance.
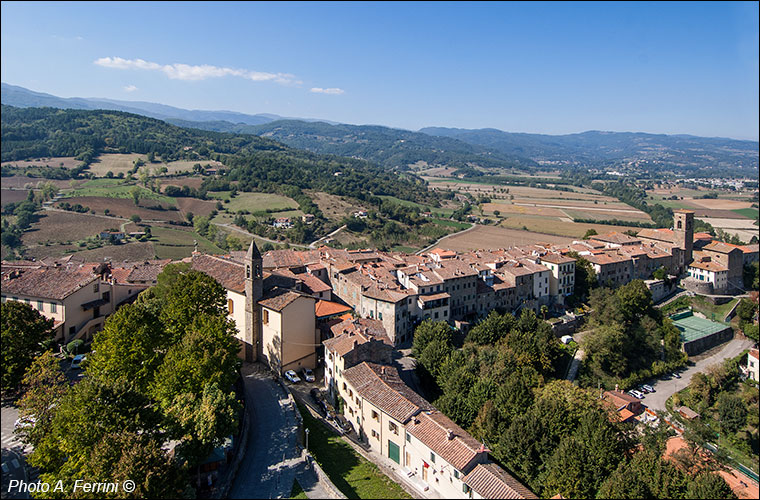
(676, 375)
(648, 387)
(292, 377)
(566, 339)
(323, 407)
(308, 375)
(77, 361)
(642, 389)
(314, 393)
(24, 422)
(636, 394)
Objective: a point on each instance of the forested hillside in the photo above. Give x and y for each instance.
(386, 146)
(255, 161)
(706, 155)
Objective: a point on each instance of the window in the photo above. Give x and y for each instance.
(408, 438)
(53, 307)
(95, 288)
(266, 317)
(456, 474)
(432, 457)
(230, 306)
(375, 434)
(380, 316)
(375, 415)
(393, 428)
(344, 386)
(39, 305)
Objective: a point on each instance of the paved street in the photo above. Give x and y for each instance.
(272, 456)
(12, 452)
(666, 388)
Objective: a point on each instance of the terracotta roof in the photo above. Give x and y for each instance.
(432, 430)
(325, 308)
(314, 284)
(607, 258)
(491, 481)
(711, 266)
(557, 258)
(657, 234)
(229, 274)
(720, 247)
(278, 299)
(754, 353)
(619, 399)
(443, 253)
(435, 296)
(289, 258)
(625, 414)
(616, 237)
(147, 272)
(382, 386)
(48, 283)
(365, 327)
(703, 236)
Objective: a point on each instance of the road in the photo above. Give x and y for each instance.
(666, 388)
(233, 227)
(313, 244)
(12, 452)
(273, 457)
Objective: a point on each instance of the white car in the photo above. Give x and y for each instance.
(648, 387)
(291, 375)
(636, 394)
(308, 375)
(566, 339)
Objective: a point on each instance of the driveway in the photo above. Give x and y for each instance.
(666, 388)
(272, 456)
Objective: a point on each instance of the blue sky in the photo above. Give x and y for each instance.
(554, 68)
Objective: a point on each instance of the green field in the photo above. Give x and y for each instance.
(177, 244)
(750, 213)
(355, 476)
(255, 202)
(402, 248)
(700, 304)
(115, 188)
(451, 223)
(406, 203)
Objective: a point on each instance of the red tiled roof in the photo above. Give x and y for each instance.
(432, 430)
(382, 386)
(278, 299)
(314, 284)
(491, 481)
(720, 247)
(325, 308)
(557, 258)
(711, 266)
(229, 274)
(48, 283)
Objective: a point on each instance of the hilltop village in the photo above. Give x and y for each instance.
(345, 312)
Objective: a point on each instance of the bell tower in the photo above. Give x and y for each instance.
(254, 289)
(683, 230)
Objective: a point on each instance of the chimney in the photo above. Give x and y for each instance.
(449, 434)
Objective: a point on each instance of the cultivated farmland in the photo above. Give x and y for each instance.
(491, 237)
(123, 207)
(63, 227)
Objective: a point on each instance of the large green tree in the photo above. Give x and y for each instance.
(44, 386)
(23, 331)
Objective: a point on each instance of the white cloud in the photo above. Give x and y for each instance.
(189, 72)
(333, 91)
(130, 88)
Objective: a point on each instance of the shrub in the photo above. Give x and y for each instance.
(75, 346)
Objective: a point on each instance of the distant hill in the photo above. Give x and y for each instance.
(256, 163)
(12, 95)
(386, 146)
(594, 148)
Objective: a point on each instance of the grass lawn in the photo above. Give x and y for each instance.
(350, 472)
(219, 195)
(297, 491)
(702, 305)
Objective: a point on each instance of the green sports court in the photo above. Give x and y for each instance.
(699, 334)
